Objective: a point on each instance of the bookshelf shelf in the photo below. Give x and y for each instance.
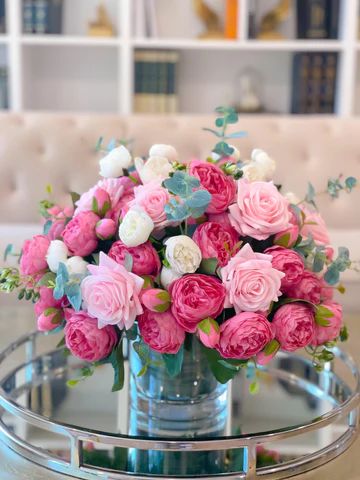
(4, 39)
(69, 40)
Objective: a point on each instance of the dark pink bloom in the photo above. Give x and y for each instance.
(289, 262)
(33, 258)
(161, 331)
(105, 229)
(332, 331)
(146, 261)
(308, 288)
(58, 217)
(80, 235)
(294, 326)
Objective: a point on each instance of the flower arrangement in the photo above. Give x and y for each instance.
(161, 251)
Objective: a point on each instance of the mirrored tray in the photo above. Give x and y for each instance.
(299, 419)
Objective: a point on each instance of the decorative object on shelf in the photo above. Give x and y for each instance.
(102, 26)
(42, 16)
(269, 25)
(231, 19)
(318, 19)
(2, 17)
(314, 82)
(248, 86)
(145, 19)
(205, 268)
(210, 17)
(4, 101)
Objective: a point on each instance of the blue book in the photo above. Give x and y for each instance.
(28, 16)
(55, 16)
(41, 16)
(2, 16)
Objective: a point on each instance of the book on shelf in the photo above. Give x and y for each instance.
(231, 19)
(4, 103)
(314, 82)
(317, 19)
(2, 17)
(145, 19)
(155, 81)
(42, 16)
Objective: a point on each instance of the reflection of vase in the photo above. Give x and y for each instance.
(193, 404)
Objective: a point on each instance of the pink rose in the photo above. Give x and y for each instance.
(161, 332)
(111, 293)
(332, 331)
(33, 258)
(105, 229)
(45, 323)
(101, 202)
(80, 235)
(213, 179)
(194, 298)
(314, 226)
(146, 261)
(152, 198)
(260, 211)
(216, 241)
(251, 281)
(294, 326)
(58, 217)
(287, 238)
(85, 340)
(289, 262)
(209, 333)
(156, 299)
(307, 288)
(244, 335)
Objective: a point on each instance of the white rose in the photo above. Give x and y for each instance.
(294, 199)
(57, 253)
(267, 164)
(183, 254)
(167, 151)
(135, 228)
(113, 164)
(167, 276)
(76, 265)
(155, 168)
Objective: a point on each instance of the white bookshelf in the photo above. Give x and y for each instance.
(75, 72)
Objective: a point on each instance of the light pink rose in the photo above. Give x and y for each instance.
(244, 335)
(58, 217)
(314, 226)
(156, 299)
(194, 298)
(33, 258)
(210, 338)
(287, 238)
(251, 281)
(85, 340)
(161, 332)
(332, 331)
(260, 211)
(221, 187)
(105, 229)
(289, 262)
(101, 202)
(145, 258)
(307, 288)
(152, 198)
(45, 322)
(80, 235)
(111, 293)
(216, 241)
(294, 326)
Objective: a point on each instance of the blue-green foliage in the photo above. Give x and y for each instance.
(310, 195)
(69, 286)
(342, 262)
(335, 185)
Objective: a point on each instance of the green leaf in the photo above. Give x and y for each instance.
(236, 135)
(143, 370)
(310, 195)
(344, 334)
(214, 132)
(132, 333)
(46, 279)
(47, 226)
(72, 383)
(321, 316)
(74, 198)
(61, 343)
(164, 307)
(283, 241)
(49, 189)
(117, 361)
(49, 311)
(99, 144)
(8, 251)
(221, 372)
(181, 184)
(209, 266)
(164, 296)
(254, 387)
(206, 324)
(350, 183)
(271, 347)
(173, 362)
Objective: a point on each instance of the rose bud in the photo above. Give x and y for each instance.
(209, 332)
(105, 229)
(46, 323)
(156, 300)
(101, 202)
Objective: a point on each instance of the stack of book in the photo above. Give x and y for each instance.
(2, 17)
(314, 82)
(317, 19)
(3, 88)
(155, 81)
(42, 16)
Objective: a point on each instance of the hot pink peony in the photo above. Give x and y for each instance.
(33, 258)
(111, 293)
(314, 226)
(308, 288)
(294, 326)
(332, 331)
(251, 281)
(145, 258)
(106, 229)
(222, 218)
(244, 335)
(80, 235)
(194, 298)
(161, 331)
(58, 217)
(152, 198)
(260, 211)
(85, 340)
(213, 179)
(289, 262)
(216, 241)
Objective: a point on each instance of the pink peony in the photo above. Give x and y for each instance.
(216, 241)
(111, 293)
(105, 229)
(152, 198)
(214, 180)
(244, 335)
(194, 298)
(161, 331)
(45, 323)
(294, 326)
(145, 258)
(222, 218)
(287, 238)
(156, 299)
(58, 217)
(260, 211)
(79, 234)
(85, 340)
(101, 202)
(209, 334)
(314, 226)
(308, 288)
(327, 291)
(251, 281)
(289, 262)
(33, 258)
(332, 331)
(47, 300)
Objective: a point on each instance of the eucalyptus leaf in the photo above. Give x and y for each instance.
(8, 251)
(47, 226)
(117, 361)
(350, 183)
(173, 362)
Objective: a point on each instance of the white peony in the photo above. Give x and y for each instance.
(183, 254)
(135, 227)
(76, 265)
(261, 167)
(113, 164)
(155, 168)
(167, 151)
(167, 276)
(57, 253)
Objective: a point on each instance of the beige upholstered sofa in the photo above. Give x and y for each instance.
(40, 149)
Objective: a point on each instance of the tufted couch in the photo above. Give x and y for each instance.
(58, 149)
